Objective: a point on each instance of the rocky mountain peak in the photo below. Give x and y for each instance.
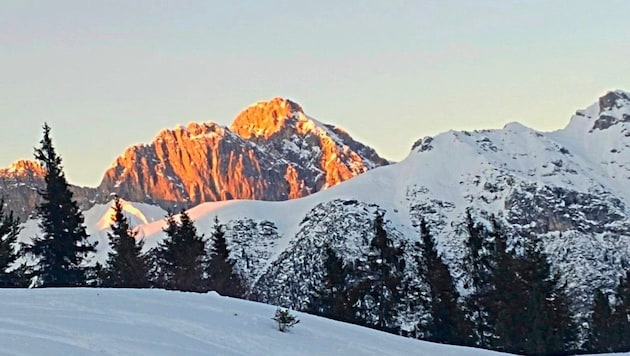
(613, 99)
(272, 152)
(614, 108)
(23, 169)
(266, 118)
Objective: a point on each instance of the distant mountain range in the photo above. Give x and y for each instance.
(568, 187)
(272, 151)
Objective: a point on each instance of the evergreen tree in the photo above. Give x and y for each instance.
(448, 322)
(620, 322)
(64, 246)
(478, 260)
(601, 336)
(181, 256)
(9, 230)
(332, 300)
(530, 313)
(126, 265)
(223, 278)
(376, 296)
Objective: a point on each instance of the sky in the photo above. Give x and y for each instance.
(110, 74)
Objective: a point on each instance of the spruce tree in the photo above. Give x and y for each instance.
(332, 300)
(601, 335)
(530, 313)
(9, 230)
(620, 322)
(181, 256)
(126, 264)
(478, 261)
(63, 247)
(448, 322)
(223, 278)
(375, 298)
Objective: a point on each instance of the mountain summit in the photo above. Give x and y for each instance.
(272, 151)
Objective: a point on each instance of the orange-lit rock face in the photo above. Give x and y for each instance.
(24, 169)
(272, 151)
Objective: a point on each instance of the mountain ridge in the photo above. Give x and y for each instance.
(201, 162)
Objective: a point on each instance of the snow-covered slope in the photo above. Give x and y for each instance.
(566, 187)
(155, 322)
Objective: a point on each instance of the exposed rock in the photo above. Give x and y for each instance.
(273, 151)
(19, 185)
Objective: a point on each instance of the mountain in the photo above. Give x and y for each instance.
(567, 187)
(92, 321)
(272, 151)
(19, 185)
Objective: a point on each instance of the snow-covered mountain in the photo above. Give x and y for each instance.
(567, 187)
(155, 322)
(272, 151)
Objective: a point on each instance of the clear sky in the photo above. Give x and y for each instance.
(109, 74)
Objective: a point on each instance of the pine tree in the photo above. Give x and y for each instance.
(126, 265)
(601, 329)
(530, 313)
(448, 322)
(375, 298)
(9, 230)
(620, 321)
(181, 256)
(63, 247)
(478, 260)
(223, 278)
(332, 300)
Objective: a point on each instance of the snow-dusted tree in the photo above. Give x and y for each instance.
(181, 257)
(64, 245)
(126, 264)
(222, 277)
(284, 319)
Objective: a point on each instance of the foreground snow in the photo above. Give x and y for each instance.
(156, 322)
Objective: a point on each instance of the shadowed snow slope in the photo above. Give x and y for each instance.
(157, 322)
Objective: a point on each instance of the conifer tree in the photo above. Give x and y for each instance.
(126, 264)
(63, 247)
(375, 298)
(530, 313)
(478, 260)
(9, 230)
(181, 256)
(332, 300)
(620, 322)
(448, 322)
(223, 278)
(601, 336)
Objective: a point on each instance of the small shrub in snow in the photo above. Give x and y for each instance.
(284, 319)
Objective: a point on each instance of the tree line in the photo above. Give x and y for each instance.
(515, 302)
(185, 260)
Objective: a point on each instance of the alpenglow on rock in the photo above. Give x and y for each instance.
(272, 151)
(19, 185)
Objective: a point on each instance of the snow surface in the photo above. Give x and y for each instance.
(155, 322)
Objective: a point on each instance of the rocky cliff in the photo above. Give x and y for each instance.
(272, 151)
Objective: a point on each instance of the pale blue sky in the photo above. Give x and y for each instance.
(109, 74)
